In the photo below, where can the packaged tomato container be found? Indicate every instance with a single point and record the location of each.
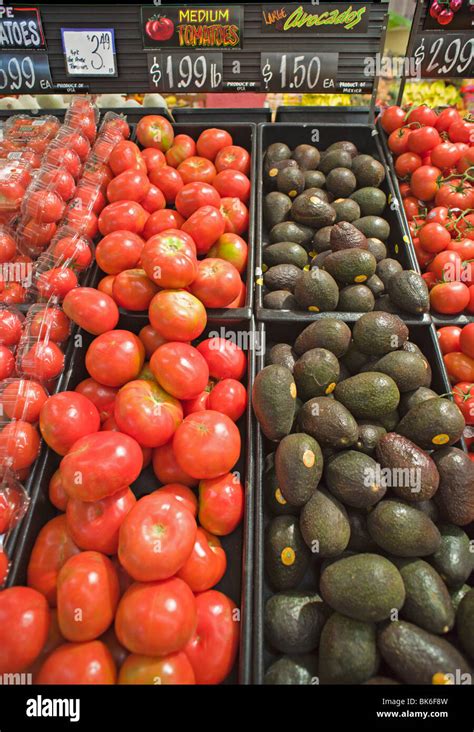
(32, 132)
(15, 177)
(14, 500)
(40, 353)
(11, 326)
(83, 115)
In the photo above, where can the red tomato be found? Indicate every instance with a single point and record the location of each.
(102, 396)
(131, 185)
(205, 226)
(57, 494)
(213, 648)
(7, 247)
(430, 279)
(24, 624)
(74, 252)
(115, 357)
(182, 494)
(35, 235)
(19, 445)
(79, 143)
(449, 338)
(398, 140)
(156, 618)
(153, 158)
(463, 393)
(133, 290)
(407, 163)
(146, 412)
(161, 221)
(126, 156)
(461, 131)
(445, 155)
(118, 251)
(466, 340)
(392, 118)
(56, 282)
(82, 221)
(466, 159)
(4, 565)
(195, 169)
(150, 339)
(236, 215)
(10, 327)
(217, 283)
(195, 195)
(78, 663)
(207, 444)
(168, 180)
(464, 247)
(221, 504)
(44, 206)
(167, 469)
(229, 397)
(52, 548)
(95, 526)
(153, 130)
(206, 564)
(183, 147)
(226, 360)
(423, 139)
(153, 201)
(23, 399)
(422, 115)
(455, 194)
(434, 237)
(123, 215)
(92, 310)
(234, 157)
(438, 215)
(60, 180)
(446, 266)
(177, 315)
(65, 418)
(412, 207)
(449, 298)
(173, 668)
(446, 118)
(233, 183)
(169, 259)
(460, 367)
(106, 462)
(233, 249)
(425, 182)
(62, 157)
(7, 363)
(180, 370)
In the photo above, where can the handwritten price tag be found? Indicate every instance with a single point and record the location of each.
(89, 51)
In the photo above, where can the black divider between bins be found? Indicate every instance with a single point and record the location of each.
(222, 115)
(341, 115)
(323, 134)
(275, 332)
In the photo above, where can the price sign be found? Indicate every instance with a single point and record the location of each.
(444, 54)
(21, 28)
(185, 72)
(24, 73)
(299, 72)
(89, 51)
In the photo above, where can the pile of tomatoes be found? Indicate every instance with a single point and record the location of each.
(434, 161)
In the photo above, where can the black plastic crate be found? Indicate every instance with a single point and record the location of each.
(425, 337)
(222, 115)
(237, 582)
(365, 137)
(341, 115)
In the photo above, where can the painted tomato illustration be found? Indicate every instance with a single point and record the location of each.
(160, 28)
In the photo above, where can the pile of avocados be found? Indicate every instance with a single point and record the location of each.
(367, 505)
(327, 236)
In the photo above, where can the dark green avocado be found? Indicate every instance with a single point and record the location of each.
(286, 555)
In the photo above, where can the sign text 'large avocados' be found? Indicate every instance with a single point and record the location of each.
(318, 18)
(192, 26)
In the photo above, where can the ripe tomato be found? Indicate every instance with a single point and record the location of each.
(161, 221)
(464, 247)
(91, 309)
(19, 445)
(105, 462)
(425, 182)
(211, 141)
(398, 140)
(226, 360)
(44, 206)
(131, 185)
(233, 249)
(82, 221)
(466, 340)
(23, 399)
(234, 157)
(183, 147)
(445, 155)
(466, 158)
(206, 564)
(73, 251)
(102, 396)
(118, 251)
(460, 367)
(7, 363)
(455, 194)
(463, 393)
(392, 118)
(126, 156)
(56, 283)
(434, 237)
(62, 157)
(36, 235)
(133, 290)
(422, 115)
(167, 469)
(56, 493)
(4, 565)
(229, 397)
(221, 504)
(123, 215)
(95, 526)
(169, 259)
(412, 207)
(236, 215)
(195, 195)
(177, 315)
(10, 327)
(195, 169)
(153, 201)
(147, 413)
(446, 266)
(233, 183)
(52, 548)
(407, 163)
(446, 118)
(449, 298)
(115, 357)
(173, 668)
(79, 143)
(449, 338)
(205, 226)
(180, 370)
(438, 215)
(423, 139)
(153, 130)
(156, 618)
(59, 180)
(461, 131)
(24, 624)
(168, 180)
(213, 648)
(182, 494)
(65, 418)
(150, 339)
(207, 444)
(78, 663)
(7, 247)
(217, 283)
(153, 158)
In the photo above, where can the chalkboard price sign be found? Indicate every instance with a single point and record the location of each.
(185, 72)
(444, 55)
(304, 71)
(24, 73)
(21, 28)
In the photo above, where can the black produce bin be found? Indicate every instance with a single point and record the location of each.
(220, 115)
(340, 115)
(322, 134)
(425, 337)
(237, 582)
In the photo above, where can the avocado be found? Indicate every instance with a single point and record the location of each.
(429, 507)
(329, 422)
(389, 421)
(352, 477)
(458, 594)
(317, 291)
(285, 252)
(307, 156)
(277, 151)
(322, 240)
(273, 400)
(364, 587)
(419, 657)
(379, 333)
(465, 623)
(291, 231)
(282, 277)
(309, 209)
(298, 467)
(377, 248)
(324, 525)
(273, 496)
(368, 395)
(271, 171)
(290, 181)
(286, 555)
(314, 179)
(319, 193)
(376, 286)
(370, 433)
(282, 354)
(318, 260)
(293, 621)
(385, 305)
(427, 602)
(412, 398)
(354, 359)
(416, 473)
(276, 208)
(356, 299)
(433, 424)
(455, 497)
(373, 227)
(347, 651)
(360, 541)
(368, 171)
(335, 158)
(408, 370)
(387, 268)
(346, 209)
(280, 300)
(341, 182)
(402, 530)
(350, 265)
(454, 559)
(293, 671)
(409, 291)
(346, 236)
(316, 373)
(328, 333)
(372, 201)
